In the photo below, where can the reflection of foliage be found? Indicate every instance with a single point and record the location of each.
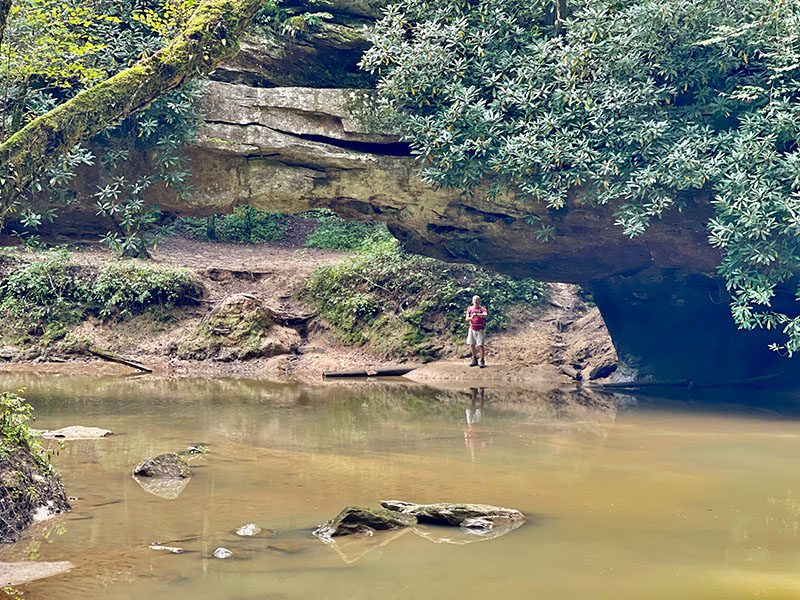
(55, 48)
(647, 105)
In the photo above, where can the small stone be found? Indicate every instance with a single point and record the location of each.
(248, 530)
(222, 553)
(171, 549)
(568, 371)
(287, 547)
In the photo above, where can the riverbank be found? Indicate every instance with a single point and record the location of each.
(555, 342)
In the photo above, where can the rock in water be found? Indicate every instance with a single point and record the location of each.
(75, 432)
(482, 516)
(168, 465)
(222, 553)
(18, 573)
(248, 530)
(170, 549)
(356, 519)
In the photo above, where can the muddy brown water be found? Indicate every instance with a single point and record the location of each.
(627, 497)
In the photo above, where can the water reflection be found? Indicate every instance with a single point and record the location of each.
(474, 415)
(629, 494)
(163, 487)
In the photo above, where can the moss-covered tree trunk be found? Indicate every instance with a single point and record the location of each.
(209, 37)
(5, 6)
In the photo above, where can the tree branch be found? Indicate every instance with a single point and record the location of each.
(5, 7)
(209, 37)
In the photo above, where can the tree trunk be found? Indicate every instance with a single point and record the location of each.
(209, 37)
(5, 7)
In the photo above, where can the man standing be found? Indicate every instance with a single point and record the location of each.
(476, 315)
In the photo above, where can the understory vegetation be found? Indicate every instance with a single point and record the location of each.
(401, 304)
(313, 229)
(40, 301)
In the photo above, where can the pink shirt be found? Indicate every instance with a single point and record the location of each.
(477, 321)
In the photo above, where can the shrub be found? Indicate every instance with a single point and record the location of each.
(335, 233)
(44, 291)
(123, 288)
(245, 225)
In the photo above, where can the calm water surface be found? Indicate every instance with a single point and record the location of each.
(627, 498)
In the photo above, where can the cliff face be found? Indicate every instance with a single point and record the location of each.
(284, 131)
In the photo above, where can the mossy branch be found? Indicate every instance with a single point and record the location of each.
(209, 37)
(5, 7)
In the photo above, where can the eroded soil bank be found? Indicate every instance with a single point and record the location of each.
(551, 344)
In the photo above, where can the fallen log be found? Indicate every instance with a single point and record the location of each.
(111, 357)
(388, 372)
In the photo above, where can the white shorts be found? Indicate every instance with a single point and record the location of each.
(476, 337)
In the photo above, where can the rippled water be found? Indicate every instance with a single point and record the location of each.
(627, 498)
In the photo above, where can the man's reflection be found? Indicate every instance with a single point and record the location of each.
(474, 415)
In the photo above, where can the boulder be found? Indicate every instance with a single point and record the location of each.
(356, 519)
(222, 553)
(478, 516)
(169, 465)
(75, 432)
(238, 328)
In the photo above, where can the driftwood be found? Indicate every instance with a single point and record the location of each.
(111, 357)
(390, 372)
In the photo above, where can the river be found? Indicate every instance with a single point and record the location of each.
(626, 497)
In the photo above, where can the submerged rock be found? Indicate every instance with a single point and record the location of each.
(75, 432)
(222, 553)
(248, 530)
(168, 465)
(356, 519)
(17, 573)
(479, 516)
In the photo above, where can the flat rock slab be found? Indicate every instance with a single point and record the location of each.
(164, 465)
(357, 519)
(17, 573)
(479, 516)
(75, 432)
